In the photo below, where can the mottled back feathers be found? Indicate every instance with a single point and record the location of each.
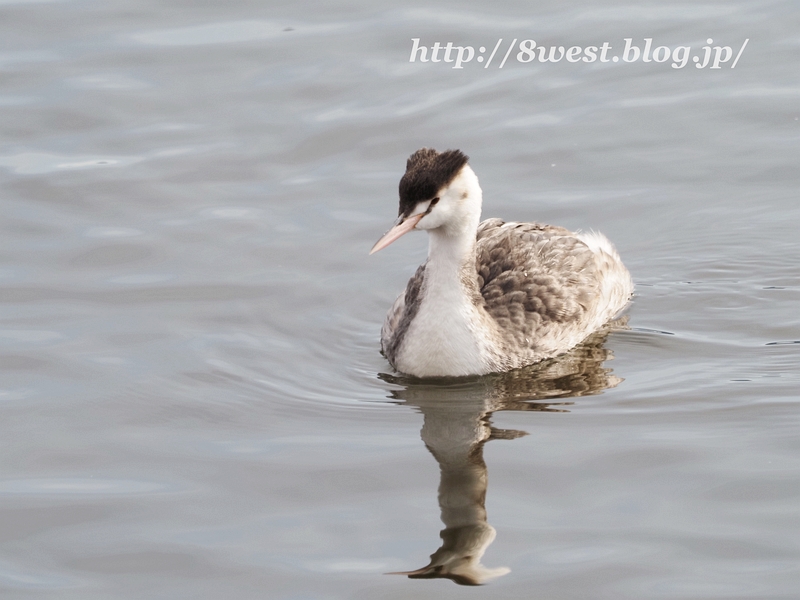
(534, 279)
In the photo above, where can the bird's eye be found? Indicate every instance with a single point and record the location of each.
(432, 204)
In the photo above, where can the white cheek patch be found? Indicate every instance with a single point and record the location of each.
(420, 208)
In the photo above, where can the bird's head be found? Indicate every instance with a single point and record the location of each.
(439, 191)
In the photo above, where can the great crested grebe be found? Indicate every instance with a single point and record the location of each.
(492, 296)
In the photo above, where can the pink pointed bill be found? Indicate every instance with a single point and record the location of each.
(397, 231)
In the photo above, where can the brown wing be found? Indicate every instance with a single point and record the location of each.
(537, 281)
(400, 315)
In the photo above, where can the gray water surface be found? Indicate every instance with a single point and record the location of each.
(192, 399)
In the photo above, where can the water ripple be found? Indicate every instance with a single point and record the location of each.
(78, 486)
(226, 33)
(34, 163)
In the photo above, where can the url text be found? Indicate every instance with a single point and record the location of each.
(528, 51)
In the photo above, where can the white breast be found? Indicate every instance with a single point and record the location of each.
(444, 337)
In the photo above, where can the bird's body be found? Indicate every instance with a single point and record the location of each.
(492, 296)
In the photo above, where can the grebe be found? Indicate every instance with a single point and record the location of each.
(492, 296)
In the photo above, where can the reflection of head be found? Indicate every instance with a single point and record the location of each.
(457, 424)
(459, 558)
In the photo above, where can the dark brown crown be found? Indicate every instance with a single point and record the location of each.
(427, 172)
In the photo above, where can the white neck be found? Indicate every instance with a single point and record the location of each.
(449, 253)
(454, 221)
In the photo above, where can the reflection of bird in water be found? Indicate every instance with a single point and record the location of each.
(492, 296)
(457, 425)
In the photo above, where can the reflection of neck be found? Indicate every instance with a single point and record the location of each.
(456, 441)
(462, 491)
